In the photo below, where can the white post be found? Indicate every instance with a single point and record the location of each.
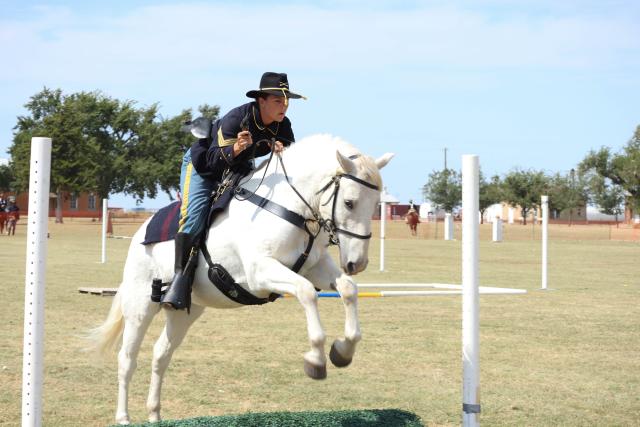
(497, 229)
(511, 215)
(38, 214)
(383, 215)
(470, 292)
(545, 230)
(105, 219)
(448, 226)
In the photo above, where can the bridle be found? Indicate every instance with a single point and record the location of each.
(328, 225)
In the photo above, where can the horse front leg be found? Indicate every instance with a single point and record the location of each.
(272, 275)
(175, 329)
(343, 349)
(324, 275)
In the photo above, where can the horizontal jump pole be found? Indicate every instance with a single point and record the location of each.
(483, 289)
(387, 294)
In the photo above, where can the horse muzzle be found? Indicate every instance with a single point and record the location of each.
(353, 268)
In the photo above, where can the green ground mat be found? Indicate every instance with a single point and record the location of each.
(359, 418)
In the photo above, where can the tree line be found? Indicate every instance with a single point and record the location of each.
(105, 145)
(606, 179)
(101, 144)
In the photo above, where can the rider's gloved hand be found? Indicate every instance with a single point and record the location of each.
(276, 146)
(243, 142)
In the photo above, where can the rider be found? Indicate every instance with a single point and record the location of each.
(262, 121)
(3, 213)
(13, 215)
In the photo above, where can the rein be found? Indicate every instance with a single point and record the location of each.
(329, 225)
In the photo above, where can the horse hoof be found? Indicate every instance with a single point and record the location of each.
(337, 359)
(123, 420)
(315, 372)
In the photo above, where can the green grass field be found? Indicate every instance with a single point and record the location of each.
(568, 356)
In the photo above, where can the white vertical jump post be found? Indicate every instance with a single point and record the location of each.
(545, 231)
(470, 293)
(497, 229)
(448, 226)
(105, 220)
(383, 215)
(34, 287)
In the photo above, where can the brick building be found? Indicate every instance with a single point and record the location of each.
(74, 205)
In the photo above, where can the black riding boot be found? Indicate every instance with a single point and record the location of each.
(178, 295)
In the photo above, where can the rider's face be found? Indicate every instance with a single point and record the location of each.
(272, 109)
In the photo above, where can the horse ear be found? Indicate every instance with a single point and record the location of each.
(347, 164)
(384, 159)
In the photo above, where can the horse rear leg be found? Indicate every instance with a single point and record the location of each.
(135, 327)
(175, 329)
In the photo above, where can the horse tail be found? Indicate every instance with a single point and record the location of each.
(105, 336)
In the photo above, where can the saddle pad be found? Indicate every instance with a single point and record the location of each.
(163, 225)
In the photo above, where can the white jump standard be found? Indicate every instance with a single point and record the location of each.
(470, 291)
(38, 214)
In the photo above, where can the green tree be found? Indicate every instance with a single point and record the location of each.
(97, 143)
(49, 117)
(444, 189)
(607, 196)
(490, 193)
(622, 169)
(7, 178)
(567, 192)
(165, 151)
(523, 189)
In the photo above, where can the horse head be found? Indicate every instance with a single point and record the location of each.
(356, 196)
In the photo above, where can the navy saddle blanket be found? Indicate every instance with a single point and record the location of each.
(164, 223)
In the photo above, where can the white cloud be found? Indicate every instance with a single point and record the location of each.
(171, 39)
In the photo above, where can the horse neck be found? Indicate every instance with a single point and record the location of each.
(307, 179)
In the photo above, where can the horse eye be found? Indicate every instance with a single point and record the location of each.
(348, 204)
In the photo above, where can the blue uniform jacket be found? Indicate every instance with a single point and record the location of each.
(211, 158)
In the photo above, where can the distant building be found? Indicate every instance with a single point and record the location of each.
(74, 205)
(581, 215)
(391, 204)
(430, 212)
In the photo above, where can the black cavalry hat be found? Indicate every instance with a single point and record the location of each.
(274, 84)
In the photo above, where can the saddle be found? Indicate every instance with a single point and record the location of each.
(164, 226)
(164, 223)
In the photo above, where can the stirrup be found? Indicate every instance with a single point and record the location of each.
(178, 295)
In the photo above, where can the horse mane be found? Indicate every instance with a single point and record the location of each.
(322, 149)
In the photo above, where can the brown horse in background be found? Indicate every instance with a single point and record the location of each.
(413, 219)
(12, 219)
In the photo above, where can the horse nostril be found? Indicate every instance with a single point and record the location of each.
(351, 268)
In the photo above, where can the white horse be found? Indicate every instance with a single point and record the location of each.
(340, 188)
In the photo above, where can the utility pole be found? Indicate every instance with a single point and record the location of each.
(445, 158)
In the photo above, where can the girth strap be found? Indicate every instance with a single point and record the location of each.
(284, 213)
(221, 278)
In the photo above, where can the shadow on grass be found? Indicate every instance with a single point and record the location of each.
(359, 418)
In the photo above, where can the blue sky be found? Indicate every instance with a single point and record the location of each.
(528, 84)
